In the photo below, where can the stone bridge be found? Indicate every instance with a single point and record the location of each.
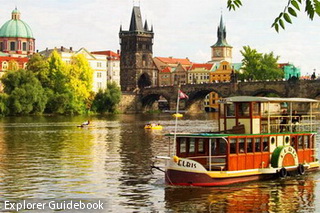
(197, 92)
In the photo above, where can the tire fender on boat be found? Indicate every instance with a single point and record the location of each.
(284, 156)
(283, 172)
(301, 169)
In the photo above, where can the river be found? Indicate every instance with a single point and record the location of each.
(48, 157)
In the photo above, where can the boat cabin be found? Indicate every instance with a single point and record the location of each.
(251, 129)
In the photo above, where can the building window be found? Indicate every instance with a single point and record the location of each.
(224, 67)
(99, 74)
(99, 84)
(99, 64)
(24, 46)
(1, 46)
(12, 46)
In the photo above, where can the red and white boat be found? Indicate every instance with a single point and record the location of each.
(253, 143)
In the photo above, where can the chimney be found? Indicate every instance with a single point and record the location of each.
(118, 52)
(61, 48)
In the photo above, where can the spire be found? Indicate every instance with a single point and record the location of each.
(146, 28)
(136, 20)
(222, 34)
(120, 28)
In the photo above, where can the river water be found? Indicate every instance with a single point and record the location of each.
(51, 158)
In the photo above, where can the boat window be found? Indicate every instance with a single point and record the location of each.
(265, 144)
(201, 145)
(230, 110)
(233, 146)
(249, 145)
(256, 109)
(183, 145)
(306, 142)
(244, 109)
(192, 143)
(300, 142)
(241, 145)
(221, 107)
(312, 141)
(257, 144)
(293, 142)
(222, 146)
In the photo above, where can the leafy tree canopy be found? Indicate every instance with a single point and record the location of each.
(25, 93)
(311, 7)
(107, 100)
(258, 66)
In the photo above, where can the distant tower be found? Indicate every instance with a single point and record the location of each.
(221, 50)
(137, 69)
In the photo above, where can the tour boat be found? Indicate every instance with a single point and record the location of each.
(252, 143)
(153, 126)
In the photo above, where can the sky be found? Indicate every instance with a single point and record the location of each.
(183, 28)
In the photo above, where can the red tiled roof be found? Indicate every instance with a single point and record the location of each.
(110, 54)
(167, 69)
(205, 66)
(170, 60)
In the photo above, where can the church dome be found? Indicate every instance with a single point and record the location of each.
(15, 27)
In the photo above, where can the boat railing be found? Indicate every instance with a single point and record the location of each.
(217, 162)
(305, 123)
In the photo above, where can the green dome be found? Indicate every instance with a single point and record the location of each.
(16, 27)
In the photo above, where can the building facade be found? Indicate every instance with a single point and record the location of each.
(137, 69)
(113, 65)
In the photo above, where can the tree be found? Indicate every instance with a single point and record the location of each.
(107, 100)
(40, 67)
(70, 87)
(258, 66)
(311, 7)
(25, 93)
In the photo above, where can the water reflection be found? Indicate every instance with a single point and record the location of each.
(291, 195)
(49, 157)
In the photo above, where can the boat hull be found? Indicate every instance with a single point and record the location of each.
(183, 178)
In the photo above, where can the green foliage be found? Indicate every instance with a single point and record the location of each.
(40, 67)
(258, 66)
(311, 8)
(4, 110)
(49, 85)
(107, 100)
(25, 93)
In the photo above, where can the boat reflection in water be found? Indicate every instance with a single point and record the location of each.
(290, 195)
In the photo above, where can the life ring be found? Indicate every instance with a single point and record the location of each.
(283, 172)
(301, 169)
(284, 156)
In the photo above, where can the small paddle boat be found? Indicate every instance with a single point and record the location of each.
(153, 126)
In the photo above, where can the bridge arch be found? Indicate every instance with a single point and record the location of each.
(144, 81)
(266, 92)
(148, 101)
(197, 98)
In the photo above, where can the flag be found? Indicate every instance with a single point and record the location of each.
(182, 95)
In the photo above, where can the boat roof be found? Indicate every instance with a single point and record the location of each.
(265, 99)
(221, 135)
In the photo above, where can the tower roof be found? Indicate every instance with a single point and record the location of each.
(136, 20)
(222, 35)
(16, 27)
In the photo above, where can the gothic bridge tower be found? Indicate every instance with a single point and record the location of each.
(137, 69)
